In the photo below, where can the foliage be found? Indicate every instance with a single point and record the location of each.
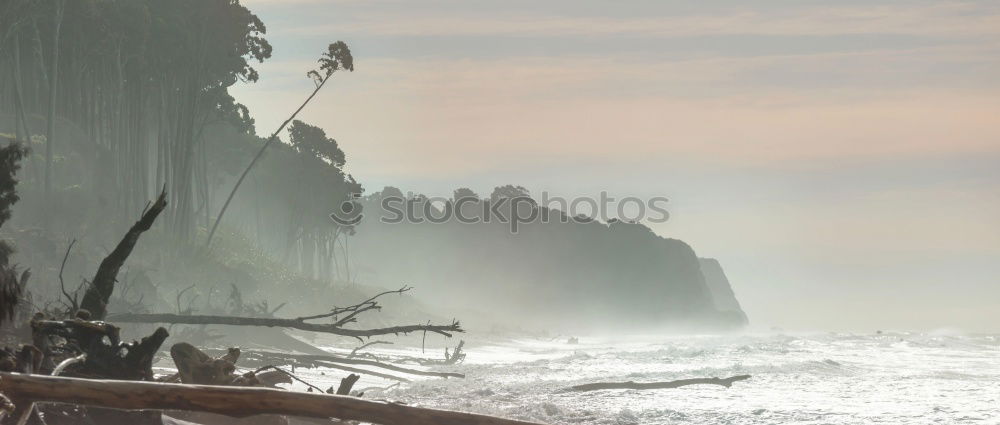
(337, 57)
(144, 102)
(11, 284)
(139, 80)
(312, 141)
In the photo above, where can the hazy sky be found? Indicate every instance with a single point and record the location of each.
(841, 159)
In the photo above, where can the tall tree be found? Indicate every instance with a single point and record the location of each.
(53, 76)
(337, 57)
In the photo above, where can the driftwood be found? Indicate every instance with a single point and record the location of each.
(341, 316)
(98, 354)
(347, 383)
(456, 357)
(95, 300)
(725, 382)
(449, 358)
(230, 401)
(313, 360)
(367, 372)
(106, 355)
(256, 359)
(297, 323)
(196, 367)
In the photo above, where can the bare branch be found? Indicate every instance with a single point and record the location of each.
(356, 309)
(95, 300)
(330, 328)
(72, 300)
(313, 360)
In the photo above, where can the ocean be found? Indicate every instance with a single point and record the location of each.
(823, 378)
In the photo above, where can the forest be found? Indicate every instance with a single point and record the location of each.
(137, 192)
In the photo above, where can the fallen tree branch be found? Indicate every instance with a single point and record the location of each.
(230, 401)
(364, 372)
(268, 357)
(341, 316)
(330, 328)
(256, 359)
(630, 385)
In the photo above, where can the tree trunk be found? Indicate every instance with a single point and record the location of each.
(95, 300)
(260, 153)
(53, 79)
(230, 401)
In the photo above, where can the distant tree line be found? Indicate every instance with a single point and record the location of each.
(579, 270)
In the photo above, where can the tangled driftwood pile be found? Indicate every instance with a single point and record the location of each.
(95, 368)
(78, 369)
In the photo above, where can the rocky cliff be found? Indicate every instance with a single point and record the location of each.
(556, 273)
(722, 291)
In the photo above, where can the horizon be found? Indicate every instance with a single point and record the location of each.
(834, 158)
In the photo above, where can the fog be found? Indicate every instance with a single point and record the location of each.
(834, 158)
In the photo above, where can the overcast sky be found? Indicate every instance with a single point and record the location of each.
(841, 159)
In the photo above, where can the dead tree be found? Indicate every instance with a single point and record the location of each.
(95, 300)
(340, 317)
(296, 323)
(230, 401)
(630, 385)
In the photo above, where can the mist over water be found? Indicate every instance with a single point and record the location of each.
(822, 378)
